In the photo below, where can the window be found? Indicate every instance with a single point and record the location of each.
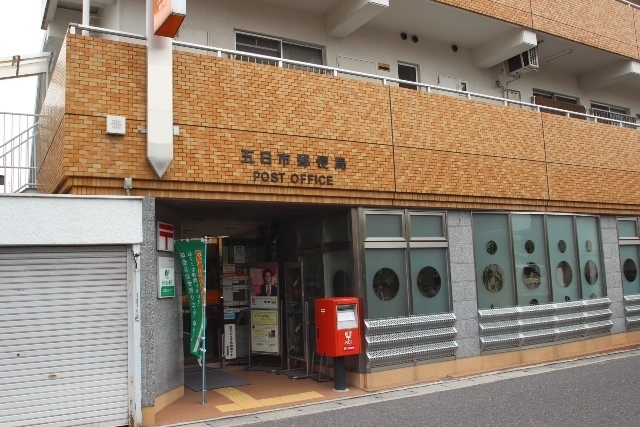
(531, 259)
(629, 243)
(406, 263)
(409, 73)
(555, 96)
(609, 111)
(278, 48)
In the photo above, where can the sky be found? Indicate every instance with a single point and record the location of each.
(20, 34)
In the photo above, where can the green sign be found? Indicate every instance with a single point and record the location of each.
(190, 256)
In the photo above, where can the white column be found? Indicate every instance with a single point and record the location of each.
(86, 15)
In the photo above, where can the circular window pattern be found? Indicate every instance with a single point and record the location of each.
(534, 302)
(531, 276)
(493, 278)
(342, 284)
(529, 246)
(630, 270)
(564, 274)
(429, 282)
(591, 272)
(562, 246)
(492, 247)
(567, 299)
(386, 284)
(589, 246)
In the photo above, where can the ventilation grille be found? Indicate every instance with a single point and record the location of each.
(632, 311)
(522, 326)
(401, 340)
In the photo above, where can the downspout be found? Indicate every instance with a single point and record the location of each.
(86, 15)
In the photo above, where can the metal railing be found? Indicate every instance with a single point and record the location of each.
(323, 69)
(18, 137)
(627, 121)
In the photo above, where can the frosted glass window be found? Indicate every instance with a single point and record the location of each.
(336, 228)
(310, 234)
(384, 226)
(589, 255)
(564, 273)
(627, 228)
(427, 226)
(339, 273)
(530, 256)
(630, 262)
(430, 281)
(386, 283)
(494, 263)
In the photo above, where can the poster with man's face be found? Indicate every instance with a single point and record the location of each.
(263, 282)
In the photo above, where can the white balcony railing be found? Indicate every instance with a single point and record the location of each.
(322, 69)
(614, 118)
(18, 133)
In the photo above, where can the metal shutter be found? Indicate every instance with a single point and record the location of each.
(63, 336)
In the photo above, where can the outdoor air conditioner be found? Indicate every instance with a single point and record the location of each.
(522, 63)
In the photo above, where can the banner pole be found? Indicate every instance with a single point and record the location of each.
(204, 329)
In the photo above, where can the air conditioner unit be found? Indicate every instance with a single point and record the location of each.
(522, 63)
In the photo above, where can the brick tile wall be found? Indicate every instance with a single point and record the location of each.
(605, 24)
(51, 129)
(402, 147)
(514, 11)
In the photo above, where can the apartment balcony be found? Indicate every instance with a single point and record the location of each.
(432, 147)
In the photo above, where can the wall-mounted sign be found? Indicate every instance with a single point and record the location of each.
(323, 163)
(166, 278)
(230, 341)
(238, 255)
(168, 16)
(165, 236)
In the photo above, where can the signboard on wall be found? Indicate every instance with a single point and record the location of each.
(168, 16)
(165, 236)
(166, 278)
(230, 341)
(264, 332)
(264, 292)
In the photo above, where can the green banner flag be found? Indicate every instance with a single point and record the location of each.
(191, 254)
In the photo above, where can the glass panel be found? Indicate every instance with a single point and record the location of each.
(339, 274)
(386, 283)
(427, 226)
(494, 264)
(430, 281)
(630, 263)
(384, 225)
(627, 228)
(590, 255)
(296, 52)
(310, 234)
(336, 228)
(564, 271)
(530, 255)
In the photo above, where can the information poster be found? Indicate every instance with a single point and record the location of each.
(264, 294)
(264, 331)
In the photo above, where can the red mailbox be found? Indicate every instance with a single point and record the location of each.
(337, 327)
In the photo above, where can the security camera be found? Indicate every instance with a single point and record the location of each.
(454, 47)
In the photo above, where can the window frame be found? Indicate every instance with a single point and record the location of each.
(282, 42)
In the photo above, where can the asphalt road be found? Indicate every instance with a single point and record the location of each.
(599, 391)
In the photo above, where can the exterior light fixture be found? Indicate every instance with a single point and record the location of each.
(559, 55)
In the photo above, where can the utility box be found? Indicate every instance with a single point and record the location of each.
(338, 327)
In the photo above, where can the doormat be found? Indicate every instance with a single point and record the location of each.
(215, 379)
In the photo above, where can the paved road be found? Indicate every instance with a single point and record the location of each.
(598, 391)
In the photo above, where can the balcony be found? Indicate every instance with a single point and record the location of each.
(431, 147)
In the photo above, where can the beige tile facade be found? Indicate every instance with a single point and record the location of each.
(606, 24)
(400, 147)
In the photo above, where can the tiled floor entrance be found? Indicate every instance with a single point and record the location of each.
(266, 390)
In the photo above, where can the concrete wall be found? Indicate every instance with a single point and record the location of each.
(613, 274)
(29, 219)
(162, 351)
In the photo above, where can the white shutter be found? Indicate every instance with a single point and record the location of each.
(63, 336)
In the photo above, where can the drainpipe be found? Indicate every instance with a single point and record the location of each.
(86, 15)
